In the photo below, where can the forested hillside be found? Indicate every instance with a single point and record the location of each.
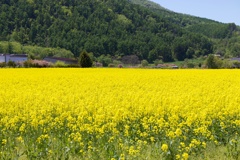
(225, 37)
(103, 27)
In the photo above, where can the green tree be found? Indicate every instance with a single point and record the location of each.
(167, 55)
(105, 60)
(10, 48)
(85, 60)
(180, 49)
(190, 52)
(213, 62)
(144, 63)
(210, 62)
(1, 49)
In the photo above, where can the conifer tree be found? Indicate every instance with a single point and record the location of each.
(85, 60)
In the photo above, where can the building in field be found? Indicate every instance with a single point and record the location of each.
(235, 59)
(17, 58)
(2, 58)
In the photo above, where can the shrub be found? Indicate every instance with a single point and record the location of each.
(27, 64)
(2, 65)
(116, 62)
(73, 66)
(156, 62)
(120, 66)
(144, 63)
(190, 65)
(37, 64)
(111, 65)
(236, 64)
(60, 64)
(11, 64)
(104, 60)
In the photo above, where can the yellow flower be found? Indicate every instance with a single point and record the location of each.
(122, 157)
(22, 128)
(178, 156)
(185, 156)
(164, 147)
(171, 134)
(152, 139)
(4, 141)
(178, 132)
(50, 151)
(130, 107)
(20, 139)
(132, 151)
(182, 144)
(204, 144)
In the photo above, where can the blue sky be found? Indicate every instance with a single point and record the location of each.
(226, 11)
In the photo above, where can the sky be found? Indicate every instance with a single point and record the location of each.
(226, 11)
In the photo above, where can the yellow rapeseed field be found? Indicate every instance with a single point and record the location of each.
(116, 113)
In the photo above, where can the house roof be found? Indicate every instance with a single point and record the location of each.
(18, 55)
(235, 59)
(15, 55)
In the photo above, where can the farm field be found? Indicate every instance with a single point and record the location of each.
(118, 113)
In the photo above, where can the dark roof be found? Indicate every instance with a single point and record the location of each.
(61, 59)
(14, 55)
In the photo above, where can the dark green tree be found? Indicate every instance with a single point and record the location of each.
(1, 49)
(85, 60)
(210, 62)
(190, 52)
(180, 49)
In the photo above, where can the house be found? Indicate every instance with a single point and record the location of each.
(2, 58)
(13, 57)
(235, 62)
(65, 60)
(235, 59)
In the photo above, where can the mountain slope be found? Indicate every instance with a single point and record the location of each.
(114, 27)
(225, 37)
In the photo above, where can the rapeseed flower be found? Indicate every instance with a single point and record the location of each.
(164, 147)
(125, 111)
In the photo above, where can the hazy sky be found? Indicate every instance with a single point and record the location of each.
(226, 11)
